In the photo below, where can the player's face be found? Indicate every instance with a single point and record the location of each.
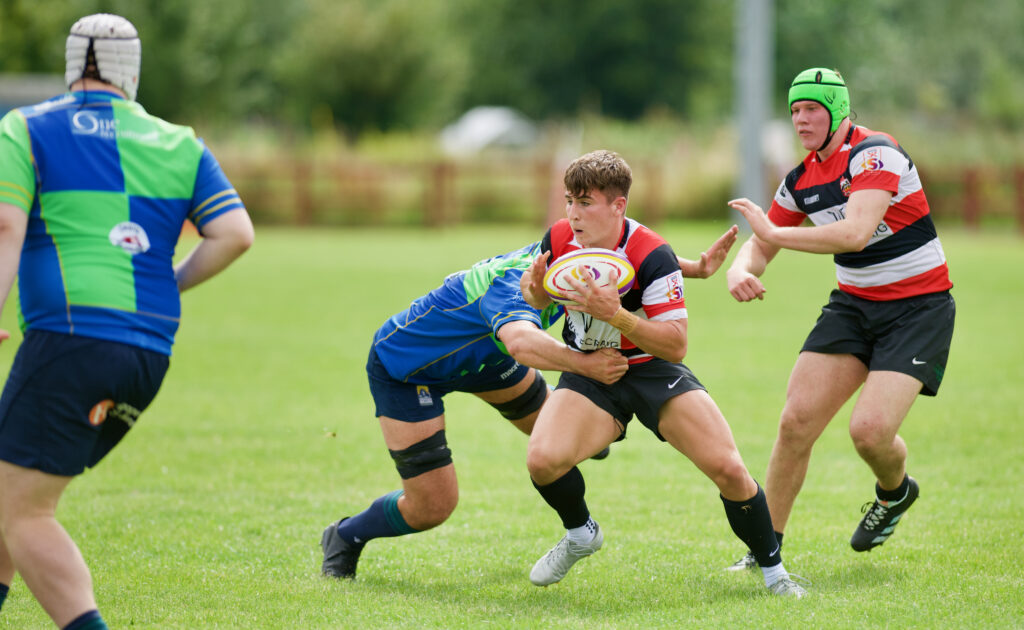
(595, 219)
(811, 121)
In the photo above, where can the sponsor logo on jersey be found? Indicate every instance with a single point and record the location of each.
(423, 393)
(87, 123)
(871, 160)
(675, 287)
(130, 237)
(811, 199)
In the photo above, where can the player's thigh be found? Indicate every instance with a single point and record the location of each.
(401, 434)
(819, 385)
(571, 428)
(28, 492)
(882, 405)
(694, 425)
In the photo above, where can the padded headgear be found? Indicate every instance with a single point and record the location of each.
(115, 46)
(826, 87)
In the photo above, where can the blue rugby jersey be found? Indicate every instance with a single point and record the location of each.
(450, 332)
(106, 187)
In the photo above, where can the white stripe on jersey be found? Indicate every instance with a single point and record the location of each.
(922, 259)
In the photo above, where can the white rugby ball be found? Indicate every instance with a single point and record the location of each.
(598, 261)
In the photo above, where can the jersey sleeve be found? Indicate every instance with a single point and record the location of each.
(876, 164)
(213, 195)
(662, 283)
(503, 303)
(17, 174)
(784, 211)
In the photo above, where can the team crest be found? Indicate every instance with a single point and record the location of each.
(844, 185)
(423, 393)
(130, 237)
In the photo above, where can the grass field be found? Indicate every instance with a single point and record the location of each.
(209, 514)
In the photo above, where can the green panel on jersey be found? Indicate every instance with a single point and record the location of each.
(151, 150)
(479, 277)
(96, 272)
(17, 179)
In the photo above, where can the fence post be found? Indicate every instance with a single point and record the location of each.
(303, 200)
(1019, 180)
(972, 200)
(438, 193)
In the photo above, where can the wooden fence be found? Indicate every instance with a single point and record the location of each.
(439, 193)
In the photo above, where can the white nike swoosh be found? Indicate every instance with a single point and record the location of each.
(675, 382)
(772, 554)
(916, 362)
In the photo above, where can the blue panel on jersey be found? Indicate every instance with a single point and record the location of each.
(87, 159)
(155, 288)
(40, 267)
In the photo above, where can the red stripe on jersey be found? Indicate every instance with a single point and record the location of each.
(910, 209)
(876, 180)
(562, 237)
(931, 281)
(783, 217)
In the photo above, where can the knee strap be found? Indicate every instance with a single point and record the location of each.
(423, 456)
(526, 403)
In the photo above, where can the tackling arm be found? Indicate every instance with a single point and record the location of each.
(13, 222)
(535, 348)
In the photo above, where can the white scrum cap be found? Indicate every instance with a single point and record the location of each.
(115, 45)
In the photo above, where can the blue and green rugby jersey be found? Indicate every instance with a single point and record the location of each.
(450, 332)
(107, 188)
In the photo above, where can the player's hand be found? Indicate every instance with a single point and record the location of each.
(531, 283)
(744, 286)
(712, 259)
(601, 302)
(606, 365)
(756, 217)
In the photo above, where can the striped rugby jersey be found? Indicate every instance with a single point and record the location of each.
(106, 187)
(904, 257)
(656, 294)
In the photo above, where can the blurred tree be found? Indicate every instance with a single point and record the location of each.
(602, 56)
(375, 65)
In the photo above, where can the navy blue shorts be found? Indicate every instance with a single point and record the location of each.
(643, 391)
(410, 402)
(911, 335)
(69, 400)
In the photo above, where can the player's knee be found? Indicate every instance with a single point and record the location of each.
(429, 510)
(796, 428)
(730, 475)
(526, 403)
(869, 437)
(423, 456)
(547, 464)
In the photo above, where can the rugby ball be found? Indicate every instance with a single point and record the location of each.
(597, 260)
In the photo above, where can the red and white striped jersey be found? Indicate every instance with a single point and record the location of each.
(904, 257)
(656, 294)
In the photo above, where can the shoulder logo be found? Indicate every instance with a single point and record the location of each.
(871, 160)
(130, 237)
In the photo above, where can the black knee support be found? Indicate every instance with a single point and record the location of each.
(422, 456)
(525, 403)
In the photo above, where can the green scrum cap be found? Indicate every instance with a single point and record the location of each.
(823, 86)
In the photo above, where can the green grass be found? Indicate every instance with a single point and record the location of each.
(209, 514)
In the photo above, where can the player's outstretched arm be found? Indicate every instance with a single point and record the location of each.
(535, 348)
(531, 283)
(225, 238)
(13, 222)
(712, 259)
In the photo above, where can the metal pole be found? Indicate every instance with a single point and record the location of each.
(754, 73)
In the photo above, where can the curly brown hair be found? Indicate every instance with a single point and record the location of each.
(599, 170)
